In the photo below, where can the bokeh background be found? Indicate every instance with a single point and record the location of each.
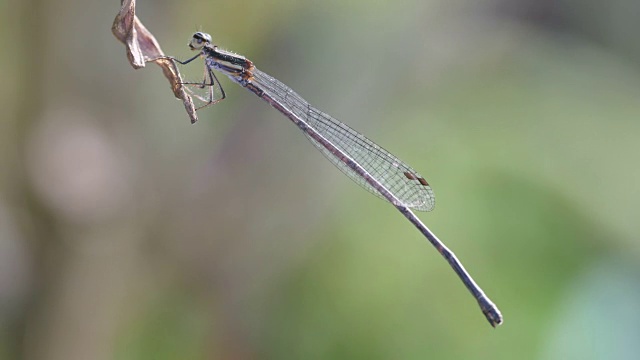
(127, 233)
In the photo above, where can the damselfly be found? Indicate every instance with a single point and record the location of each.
(368, 164)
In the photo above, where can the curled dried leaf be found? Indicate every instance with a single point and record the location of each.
(142, 47)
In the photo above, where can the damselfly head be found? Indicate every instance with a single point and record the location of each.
(199, 40)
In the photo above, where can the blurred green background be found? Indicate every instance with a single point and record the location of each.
(127, 233)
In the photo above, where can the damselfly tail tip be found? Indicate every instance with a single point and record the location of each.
(490, 311)
(493, 316)
(495, 319)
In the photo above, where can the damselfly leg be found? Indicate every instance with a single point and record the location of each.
(210, 83)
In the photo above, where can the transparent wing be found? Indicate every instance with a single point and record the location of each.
(404, 182)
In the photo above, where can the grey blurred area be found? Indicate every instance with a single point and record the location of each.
(128, 233)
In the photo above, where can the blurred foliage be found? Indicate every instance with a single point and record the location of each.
(127, 233)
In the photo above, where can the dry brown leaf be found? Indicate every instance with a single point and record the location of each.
(142, 47)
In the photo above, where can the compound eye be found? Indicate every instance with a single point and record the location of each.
(199, 40)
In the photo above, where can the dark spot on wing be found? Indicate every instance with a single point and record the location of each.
(409, 176)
